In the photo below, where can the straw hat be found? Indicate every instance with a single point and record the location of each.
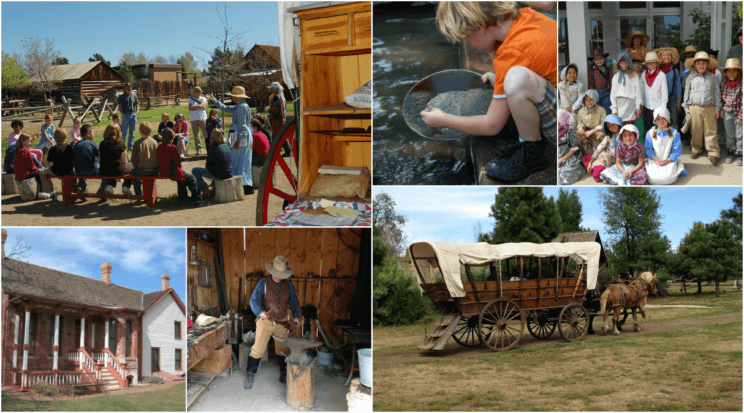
(651, 57)
(712, 63)
(732, 63)
(672, 50)
(644, 39)
(689, 51)
(597, 53)
(238, 92)
(279, 268)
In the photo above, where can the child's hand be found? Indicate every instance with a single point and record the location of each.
(434, 118)
(627, 175)
(560, 161)
(716, 114)
(637, 112)
(488, 77)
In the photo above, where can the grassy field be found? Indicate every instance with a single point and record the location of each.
(151, 115)
(688, 369)
(172, 399)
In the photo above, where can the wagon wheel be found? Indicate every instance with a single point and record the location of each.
(501, 324)
(278, 178)
(466, 332)
(542, 328)
(573, 322)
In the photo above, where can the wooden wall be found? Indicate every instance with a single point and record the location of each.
(204, 295)
(324, 268)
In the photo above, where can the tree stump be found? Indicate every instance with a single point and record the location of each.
(359, 397)
(256, 175)
(9, 184)
(28, 189)
(300, 386)
(229, 190)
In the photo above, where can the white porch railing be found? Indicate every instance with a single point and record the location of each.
(30, 379)
(110, 360)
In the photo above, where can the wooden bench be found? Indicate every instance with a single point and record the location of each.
(69, 185)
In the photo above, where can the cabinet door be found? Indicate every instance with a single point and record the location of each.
(327, 33)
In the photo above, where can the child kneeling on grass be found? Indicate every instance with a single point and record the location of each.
(524, 46)
(144, 160)
(218, 162)
(24, 167)
(169, 164)
(629, 168)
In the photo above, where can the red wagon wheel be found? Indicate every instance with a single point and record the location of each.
(466, 332)
(278, 185)
(573, 322)
(501, 324)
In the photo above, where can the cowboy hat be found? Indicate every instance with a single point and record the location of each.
(597, 53)
(279, 268)
(712, 53)
(644, 39)
(238, 92)
(732, 63)
(672, 50)
(651, 57)
(712, 63)
(689, 51)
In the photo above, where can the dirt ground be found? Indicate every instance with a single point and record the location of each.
(701, 172)
(101, 212)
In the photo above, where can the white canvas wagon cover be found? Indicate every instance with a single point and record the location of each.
(450, 255)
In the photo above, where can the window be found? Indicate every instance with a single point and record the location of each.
(594, 5)
(563, 42)
(633, 5)
(155, 359)
(628, 25)
(128, 339)
(666, 30)
(177, 326)
(597, 34)
(178, 359)
(31, 334)
(667, 4)
(112, 336)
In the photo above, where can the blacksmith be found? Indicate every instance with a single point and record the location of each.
(270, 300)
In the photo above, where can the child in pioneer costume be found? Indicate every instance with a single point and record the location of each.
(655, 91)
(626, 95)
(636, 45)
(523, 44)
(702, 101)
(570, 168)
(663, 151)
(569, 89)
(604, 156)
(629, 167)
(270, 300)
(600, 78)
(732, 113)
(669, 59)
(589, 122)
(683, 119)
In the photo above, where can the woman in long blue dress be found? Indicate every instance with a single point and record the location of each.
(241, 146)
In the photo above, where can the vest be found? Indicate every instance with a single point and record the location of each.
(280, 298)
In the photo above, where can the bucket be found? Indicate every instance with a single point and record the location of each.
(365, 366)
(325, 356)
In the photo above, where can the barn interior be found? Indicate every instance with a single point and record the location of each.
(331, 275)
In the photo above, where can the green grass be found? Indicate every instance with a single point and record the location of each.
(172, 399)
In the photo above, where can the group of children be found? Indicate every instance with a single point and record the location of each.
(655, 107)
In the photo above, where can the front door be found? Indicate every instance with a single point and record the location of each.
(155, 359)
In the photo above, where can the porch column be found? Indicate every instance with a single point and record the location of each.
(82, 340)
(105, 343)
(15, 345)
(56, 343)
(92, 336)
(25, 340)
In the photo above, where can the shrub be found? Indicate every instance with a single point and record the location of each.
(46, 390)
(397, 298)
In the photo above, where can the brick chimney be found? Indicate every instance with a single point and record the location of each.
(165, 279)
(5, 237)
(106, 273)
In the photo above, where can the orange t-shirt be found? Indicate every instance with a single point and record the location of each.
(531, 42)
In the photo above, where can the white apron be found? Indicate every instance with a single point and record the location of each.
(667, 174)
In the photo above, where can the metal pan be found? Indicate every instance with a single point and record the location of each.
(480, 95)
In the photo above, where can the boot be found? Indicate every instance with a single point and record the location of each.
(248, 189)
(252, 368)
(282, 370)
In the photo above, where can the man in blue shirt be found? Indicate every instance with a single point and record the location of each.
(129, 105)
(270, 301)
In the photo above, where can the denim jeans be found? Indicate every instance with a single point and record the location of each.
(190, 183)
(128, 124)
(199, 175)
(137, 182)
(83, 183)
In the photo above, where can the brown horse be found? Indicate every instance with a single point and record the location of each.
(632, 296)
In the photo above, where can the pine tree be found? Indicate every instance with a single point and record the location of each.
(523, 215)
(733, 215)
(709, 252)
(569, 210)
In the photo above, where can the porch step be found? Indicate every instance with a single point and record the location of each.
(109, 387)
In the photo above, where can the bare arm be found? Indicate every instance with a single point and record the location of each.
(483, 125)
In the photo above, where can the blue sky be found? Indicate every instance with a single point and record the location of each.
(139, 256)
(80, 29)
(450, 213)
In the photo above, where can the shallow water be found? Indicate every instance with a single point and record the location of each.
(406, 48)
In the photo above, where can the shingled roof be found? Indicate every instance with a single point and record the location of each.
(582, 236)
(273, 52)
(28, 279)
(72, 71)
(150, 298)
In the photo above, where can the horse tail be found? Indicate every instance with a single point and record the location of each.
(603, 301)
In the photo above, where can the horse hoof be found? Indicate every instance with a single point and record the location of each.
(636, 327)
(617, 333)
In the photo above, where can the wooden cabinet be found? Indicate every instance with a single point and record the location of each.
(336, 60)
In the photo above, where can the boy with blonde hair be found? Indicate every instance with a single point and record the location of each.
(144, 159)
(523, 45)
